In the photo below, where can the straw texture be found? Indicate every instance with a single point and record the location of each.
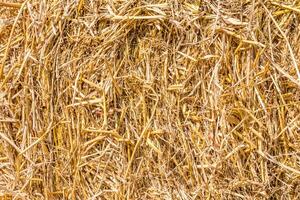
(149, 99)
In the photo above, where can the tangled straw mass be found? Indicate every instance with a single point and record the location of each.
(149, 99)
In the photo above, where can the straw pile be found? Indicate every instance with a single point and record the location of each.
(153, 99)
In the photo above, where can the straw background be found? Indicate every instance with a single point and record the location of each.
(149, 99)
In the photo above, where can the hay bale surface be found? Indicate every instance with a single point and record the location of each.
(150, 99)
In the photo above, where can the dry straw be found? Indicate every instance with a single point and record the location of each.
(153, 99)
